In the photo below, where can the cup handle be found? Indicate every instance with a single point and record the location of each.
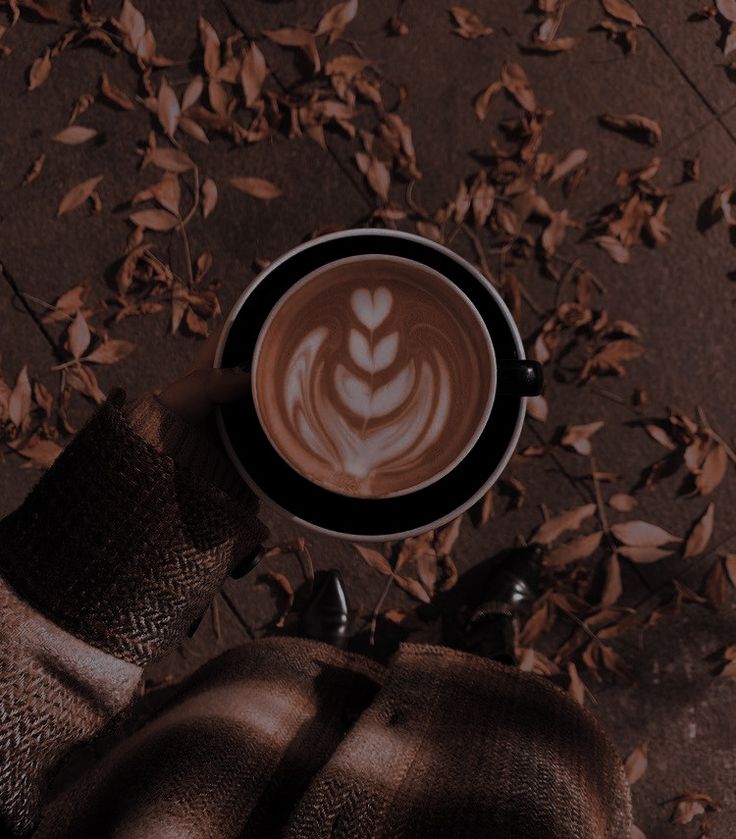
(520, 377)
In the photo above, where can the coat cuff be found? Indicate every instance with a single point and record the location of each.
(122, 545)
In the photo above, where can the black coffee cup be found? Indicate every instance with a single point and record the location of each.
(374, 519)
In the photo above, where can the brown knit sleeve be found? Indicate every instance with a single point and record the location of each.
(122, 544)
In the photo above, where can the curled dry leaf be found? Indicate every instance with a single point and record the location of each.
(79, 335)
(537, 408)
(713, 470)
(569, 162)
(644, 554)
(641, 533)
(576, 688)
(469, 23)
(515, 80)
(376, 172)
(569, 520)
(574, 550)
(279, 584)
(19, 403)
(622, 502)
(78, 195)
(622, 10)
(111, 352)
(729, 562)
(257, 187)
(612, 587)
(635, 765)
(716, 584)
(446, 536)
(691, 804)
(634, 123)
(39, 71)
(483, 99)
(74, 135)
(160, 220)
(114, 94)
(34, 170)
(656, 432)
(336, 19)
(577, 437)
(209, 197)
(253, 73)
(614, 248)
(301, 38)
(375, 560)
(82, 379)
(701, 532)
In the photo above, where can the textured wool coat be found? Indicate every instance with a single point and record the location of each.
(118, 548)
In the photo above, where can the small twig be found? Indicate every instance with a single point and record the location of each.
(588, 631)
(614, 397)
(237, 615)
(47, 305)
(216, 626)
(19, 294)
(571, 270)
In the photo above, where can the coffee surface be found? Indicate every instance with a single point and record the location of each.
(372, 377)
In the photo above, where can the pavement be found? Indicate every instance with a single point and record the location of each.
(681, 297)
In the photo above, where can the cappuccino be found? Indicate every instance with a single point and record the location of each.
(373, 376)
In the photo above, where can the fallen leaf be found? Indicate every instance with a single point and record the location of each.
(701, 532)
(469, 23)
(622, 10)
(336, 19)
(39, 71)
(569, 162)
(209, 197)
(196, 325)
(727, 8)
(375, 560)
(192, 92)
(81, 378)
(257, 187)
(713, 470)
(537, 623)
(635, 765)
(160, 220)
(111, 351)
(279, 584)
(574, 550)
(74, 135)
(171, 160)
(167, 192)
(608, 360)
(78, 195)
(79, 335)
(211, 46)
(576, 688)
(643, 554)
(516, 82)
(716, 585)
(34, 170)
(376, 172)
(41, 453)
(114, 94)
(168, 108)
(634, 123)
(656, 432)
(483, 99)
(446, 537)
(577, 437)
(612, 588)
(614, 248)
(636, 833)
(412, 587)
(19, 403)
(537, 408)
(569, 520)
(253, 73)
(622, 502)
(642, 534)
(293, 37)
(729, 562)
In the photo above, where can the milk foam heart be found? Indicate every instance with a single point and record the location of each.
(373, 376)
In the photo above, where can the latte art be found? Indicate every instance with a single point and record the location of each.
(368, 381)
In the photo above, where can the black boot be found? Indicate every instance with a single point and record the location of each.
(327, 615)
(489, 628)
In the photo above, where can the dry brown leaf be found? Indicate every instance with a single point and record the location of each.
(160, 220)
(537, 408)
(622, 502)
(636, 833)
(375, 560)
(279, 583)
(553, 44)
(554, 234)
(253, 73)
(257, 187)
(612, 588)
(40, 453)
(429, 230)
(716, 584)
(168, 109)
(39, 71)
(729, 562)
(577, 437)
(336, 19)
(713, 470)
(293, 37)
(74, 135)
(81, 378)
(446, 537)
(19, 403)
(515, 80)
(171, 160)
(79, 335)
(114, 94)
(701, 532)
(614, 248)
(537, 623)
(656, 432)
(167, 192)
(622, 10)
(209, 197)
(412, 587)
(574, 550)
(196, 324)
(34, 170)
(469, 23)
(569, 162)
(111, 351)
(642, 534)
(645, 554)
(211, 46)
(576, 688)
(78, 195)
(634, 123)
(192, 93)
(482, 201)
(727, 8)
(483, 99)
(569, 520)
(691, 804)
(608, 360)
(635, 765)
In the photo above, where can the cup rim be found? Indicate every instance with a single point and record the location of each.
(488, 341)
(514, 336)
